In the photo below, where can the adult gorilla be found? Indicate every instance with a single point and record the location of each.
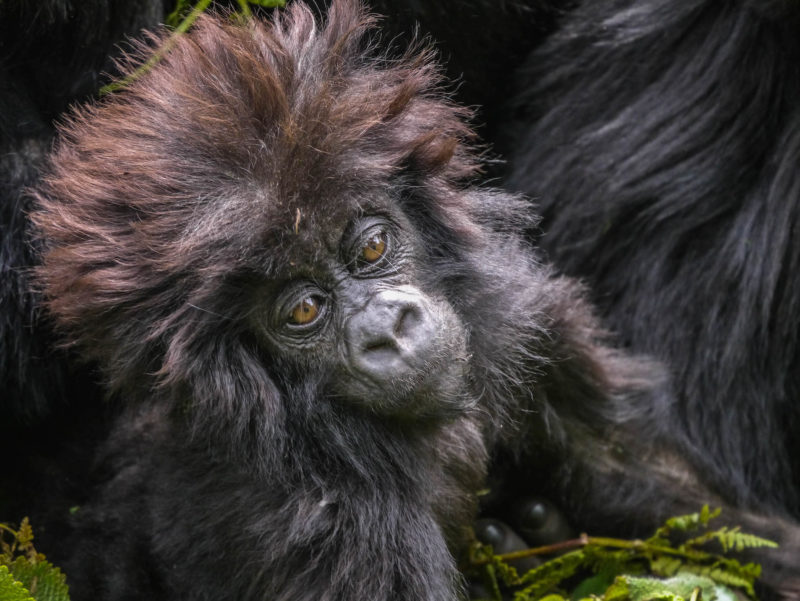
(52, 53)
(661, 142)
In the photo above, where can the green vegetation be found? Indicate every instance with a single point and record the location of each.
(697, 567)
(25, 574)
(180, 20)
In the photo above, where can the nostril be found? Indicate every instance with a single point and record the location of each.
(407, 321)
(379, 345)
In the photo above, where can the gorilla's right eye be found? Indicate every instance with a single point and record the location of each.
(305, 312)
(300, 310)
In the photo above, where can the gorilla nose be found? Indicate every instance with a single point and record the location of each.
(392, 336)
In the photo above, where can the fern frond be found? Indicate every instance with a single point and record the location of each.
(11, 589)
(665, 565)
(684, 523)
(734, 539)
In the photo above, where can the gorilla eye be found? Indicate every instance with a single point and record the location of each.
(370, 249)
(374, 248)
(305, 312)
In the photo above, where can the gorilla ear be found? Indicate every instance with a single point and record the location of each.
(431, 153)
(446, 149)
(411, 117)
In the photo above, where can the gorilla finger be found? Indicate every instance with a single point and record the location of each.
(539, 522)
(504, 540)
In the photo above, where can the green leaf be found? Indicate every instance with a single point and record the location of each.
(685, 523)
(43, 580)
(726, 573)
(647, 570)
(677, 588)
(182, 8)
(11, 589)
(734, 539)
(619, 590)
(544, 578)
(552, 598)
(491, 583)
(593, 586)
(665, 565)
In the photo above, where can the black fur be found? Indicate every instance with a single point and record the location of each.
(481, 42)
(52, 53)
(660, 140)
(174, 215)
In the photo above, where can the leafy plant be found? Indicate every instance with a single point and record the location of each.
(180, 20)
(610, 569)
(25, 574)
(184, 7)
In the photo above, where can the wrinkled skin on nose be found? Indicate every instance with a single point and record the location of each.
(394, 336)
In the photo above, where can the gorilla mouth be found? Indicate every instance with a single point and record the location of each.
(438, 388)
(406, 355)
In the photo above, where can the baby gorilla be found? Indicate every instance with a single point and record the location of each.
(319, 331)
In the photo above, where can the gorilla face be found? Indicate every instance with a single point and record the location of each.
(356, 309)
(269, 233)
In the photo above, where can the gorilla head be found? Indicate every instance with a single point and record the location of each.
(240, 221)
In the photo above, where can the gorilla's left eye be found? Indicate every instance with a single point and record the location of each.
(369, 252)
(374, 248)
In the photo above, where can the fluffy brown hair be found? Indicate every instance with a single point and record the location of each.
(231, 115)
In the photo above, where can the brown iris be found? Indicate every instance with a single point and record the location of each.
(305, 311)
(374, 248)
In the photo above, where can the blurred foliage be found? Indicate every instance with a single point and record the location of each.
(184, 9)
(684, 560)
(25, 574)
(180, 20)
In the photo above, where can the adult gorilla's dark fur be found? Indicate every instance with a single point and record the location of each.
(51, 54)
(661, 140)
(322, 332)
